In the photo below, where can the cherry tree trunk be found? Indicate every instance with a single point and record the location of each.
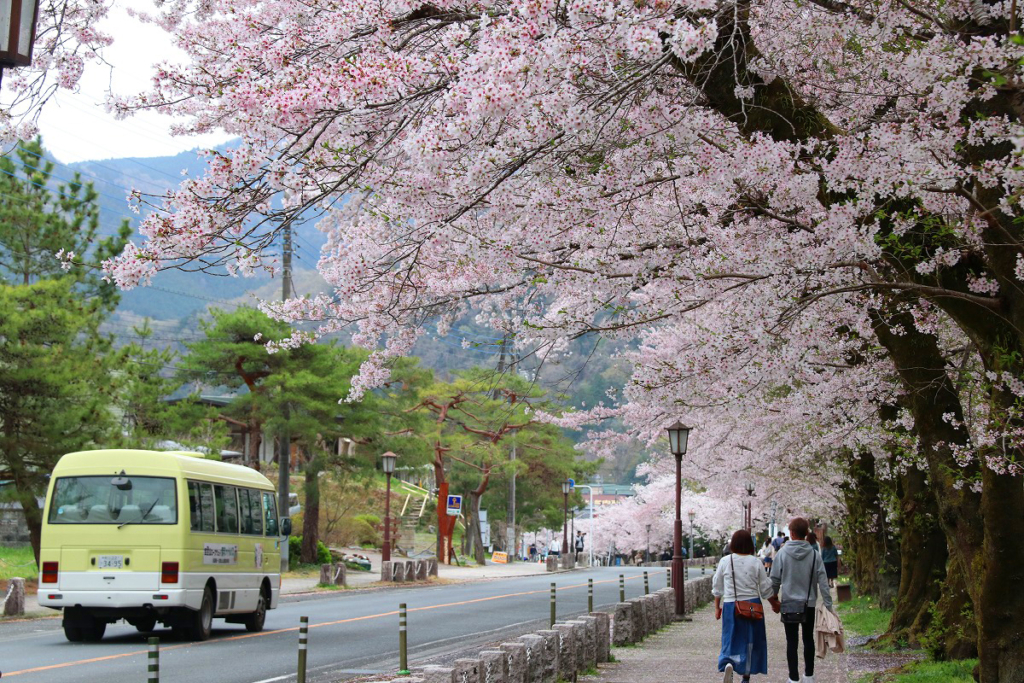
(952, 630)
(923, 556)
(874, 550)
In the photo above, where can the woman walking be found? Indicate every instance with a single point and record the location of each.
(739, 585)
(830, 556)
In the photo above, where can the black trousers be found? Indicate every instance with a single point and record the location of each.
(793, 643)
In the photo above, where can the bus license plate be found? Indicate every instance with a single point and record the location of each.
(110, 562)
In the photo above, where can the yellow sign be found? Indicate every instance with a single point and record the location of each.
(500, 558)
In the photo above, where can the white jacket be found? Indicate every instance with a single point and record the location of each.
(752, 581)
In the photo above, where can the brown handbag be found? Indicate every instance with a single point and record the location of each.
(745, 609)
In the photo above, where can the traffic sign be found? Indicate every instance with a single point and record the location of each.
(572, 483)
(454, 505)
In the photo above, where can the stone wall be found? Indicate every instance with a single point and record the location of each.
(406, 571)
(568, 648)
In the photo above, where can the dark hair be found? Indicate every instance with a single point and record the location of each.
(742, 543)
(798, 528)
(828, 542)
(812, 538)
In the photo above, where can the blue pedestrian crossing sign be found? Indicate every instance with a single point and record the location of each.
(454, 505)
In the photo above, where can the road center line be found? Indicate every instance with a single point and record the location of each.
(122, 655)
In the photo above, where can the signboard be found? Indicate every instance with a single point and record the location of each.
(454, 505)
(485, 530)
(500, 558)
(220, 553)
(572, 483)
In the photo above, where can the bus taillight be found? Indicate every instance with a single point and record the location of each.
(49, 572)
(169, 572)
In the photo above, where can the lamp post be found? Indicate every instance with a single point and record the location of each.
(16, 44)
(647, 556)
(678, 435)
(691, 514)
(388, 464)
(750, 504)
(565, 518)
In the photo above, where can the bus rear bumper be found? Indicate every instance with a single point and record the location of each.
(175, 597)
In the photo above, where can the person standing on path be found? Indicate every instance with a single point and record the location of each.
(830, 557)
(741, 577)
(796, 571)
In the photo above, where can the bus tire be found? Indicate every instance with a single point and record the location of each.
(200, 623)
(73, 630)
(254, 622)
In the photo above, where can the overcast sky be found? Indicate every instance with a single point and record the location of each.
(75, 126)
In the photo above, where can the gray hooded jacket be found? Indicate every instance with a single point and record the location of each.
(791, 571)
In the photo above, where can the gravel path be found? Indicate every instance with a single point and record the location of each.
(688, 653)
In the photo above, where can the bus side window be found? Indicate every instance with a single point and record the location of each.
(200, 506)
(270, 514)
(255, 511)
(227, 509)
(244, 511)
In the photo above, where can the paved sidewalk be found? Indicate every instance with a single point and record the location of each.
(688, 653)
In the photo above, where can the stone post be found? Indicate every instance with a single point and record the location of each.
(550, 654)
(438, 674)
(590, 658)
(386, 572)
(534, 657)
(410, 570)
(604, 635)
(398, 572)
(468, 670)
(566, 651)
(432, 566)
(515, 657)
(14, 603)
(623, 631)
(637, 617)
(421, 570)
(579, 637)
(495, 667)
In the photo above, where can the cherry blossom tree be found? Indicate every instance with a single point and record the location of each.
(792, 204)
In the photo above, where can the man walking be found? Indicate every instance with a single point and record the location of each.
(797, 575)
(579, 545)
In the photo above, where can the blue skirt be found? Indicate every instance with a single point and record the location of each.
(743, 643)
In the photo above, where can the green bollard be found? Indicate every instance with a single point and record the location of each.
(668, 578)
(647, 585)
(590, 595)
(303, 633)
(403, 653)
(154, 660)
(622, 588)
(552, 623)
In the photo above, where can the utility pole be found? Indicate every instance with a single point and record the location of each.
(284, 455)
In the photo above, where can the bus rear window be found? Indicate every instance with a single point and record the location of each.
(113, 500)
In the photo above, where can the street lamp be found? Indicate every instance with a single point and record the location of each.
(691, 514)
(388, 465)
(678, 435)
(647, 559)
(565, 522)
(19, 17)
(750, 503)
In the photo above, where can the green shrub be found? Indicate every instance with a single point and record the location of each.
(323, 555)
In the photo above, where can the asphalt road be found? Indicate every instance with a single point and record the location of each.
(351, 633)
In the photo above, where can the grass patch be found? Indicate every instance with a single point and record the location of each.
(18, 562)
(929, 672)
(863, 617)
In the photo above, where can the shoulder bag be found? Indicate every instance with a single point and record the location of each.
(745, 609)
(795, 611)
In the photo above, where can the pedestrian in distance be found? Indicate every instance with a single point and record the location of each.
(766, 554)
(579, 544)
(798, 575)
(555, 548)
(739, 585)
(812, 540)
(830, 557)
(778, 541)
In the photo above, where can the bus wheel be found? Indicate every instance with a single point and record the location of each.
(72, 623)
(94, 632)
(145, 624)
(200, 623)
(254, 622)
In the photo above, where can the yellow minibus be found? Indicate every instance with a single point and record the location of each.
(149, 537)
